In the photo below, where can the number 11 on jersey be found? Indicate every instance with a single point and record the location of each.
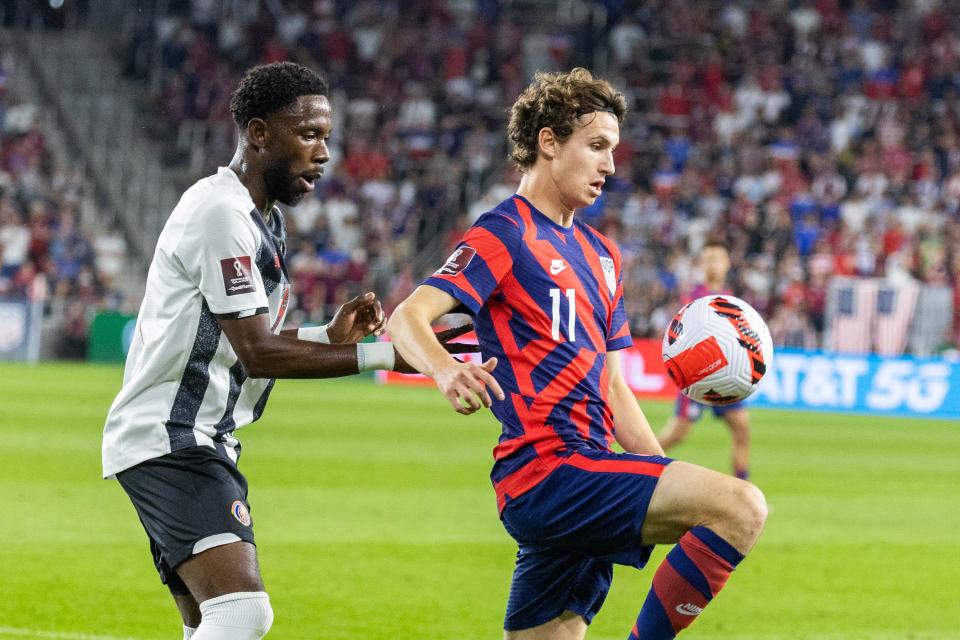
(571, 318)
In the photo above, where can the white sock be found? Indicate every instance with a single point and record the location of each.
(188, 632)
(235, 616)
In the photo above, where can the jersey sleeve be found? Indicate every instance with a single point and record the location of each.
(219, 253)
(479, 264)
(620, 337)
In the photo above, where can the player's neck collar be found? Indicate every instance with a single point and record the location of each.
(537, 214)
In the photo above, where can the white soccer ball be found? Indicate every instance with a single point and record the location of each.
(716, 349)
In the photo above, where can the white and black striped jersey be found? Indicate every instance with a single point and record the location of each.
(183, 385)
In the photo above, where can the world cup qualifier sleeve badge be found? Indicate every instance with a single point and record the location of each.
(237, 275)
(457, 262)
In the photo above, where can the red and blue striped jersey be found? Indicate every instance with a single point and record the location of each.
(547, 302)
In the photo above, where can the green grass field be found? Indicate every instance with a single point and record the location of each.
(375, 519)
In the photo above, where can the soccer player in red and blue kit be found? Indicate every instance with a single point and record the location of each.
(715, 263)
(546, 295)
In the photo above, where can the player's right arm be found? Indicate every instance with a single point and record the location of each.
(464, 385)
(264, 354)
(218, 255)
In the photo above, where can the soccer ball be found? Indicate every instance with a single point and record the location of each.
(717, 349)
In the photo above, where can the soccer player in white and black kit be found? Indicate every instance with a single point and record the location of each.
(209, 344)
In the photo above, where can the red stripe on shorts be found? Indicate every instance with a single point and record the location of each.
(639, 467)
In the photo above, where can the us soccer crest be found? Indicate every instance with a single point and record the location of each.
(609, 274)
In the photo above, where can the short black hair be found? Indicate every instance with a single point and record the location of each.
(267, 88)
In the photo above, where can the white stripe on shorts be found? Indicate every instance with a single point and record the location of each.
(216, 540)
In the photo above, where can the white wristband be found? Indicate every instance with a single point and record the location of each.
(314, 334)
(375, 355)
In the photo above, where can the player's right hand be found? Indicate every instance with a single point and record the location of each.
(357, 318)
(467, 386)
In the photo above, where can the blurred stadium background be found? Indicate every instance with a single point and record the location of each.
(819, 140)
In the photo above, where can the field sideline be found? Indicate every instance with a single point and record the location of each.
(375, 519)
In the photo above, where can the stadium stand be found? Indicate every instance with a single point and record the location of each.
(815, 139)
(50, 250)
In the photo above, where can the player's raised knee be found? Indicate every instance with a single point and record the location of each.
(737, 512)
(757, 503)
(751, 511)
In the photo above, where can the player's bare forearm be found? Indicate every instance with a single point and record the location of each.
(286, 357)
(467, 387)
(294, 354)
(410, 329)
(633, 431)
(265, 355)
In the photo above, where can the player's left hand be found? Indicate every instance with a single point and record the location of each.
(467, 386)
(356, 319)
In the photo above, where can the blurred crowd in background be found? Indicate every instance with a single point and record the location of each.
(419, 92)
(814, 139)
(45, 251)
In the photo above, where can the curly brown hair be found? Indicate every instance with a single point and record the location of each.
(557, 100)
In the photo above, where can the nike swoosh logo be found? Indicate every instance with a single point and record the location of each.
(689, 609)
(555, 269)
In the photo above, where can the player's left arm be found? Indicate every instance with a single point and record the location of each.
(633, 431)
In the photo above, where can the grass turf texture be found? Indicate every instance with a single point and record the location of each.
(375, 519)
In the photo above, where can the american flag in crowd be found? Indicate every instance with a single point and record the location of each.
(853, 303)
(895, 308)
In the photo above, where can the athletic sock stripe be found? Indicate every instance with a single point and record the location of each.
(677, 595)
(714, 568)
(719, 546)
(692, 574)
(653, 619)
(689, 571)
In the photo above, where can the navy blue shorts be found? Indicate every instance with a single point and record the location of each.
(691, 410)
(571, 528)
